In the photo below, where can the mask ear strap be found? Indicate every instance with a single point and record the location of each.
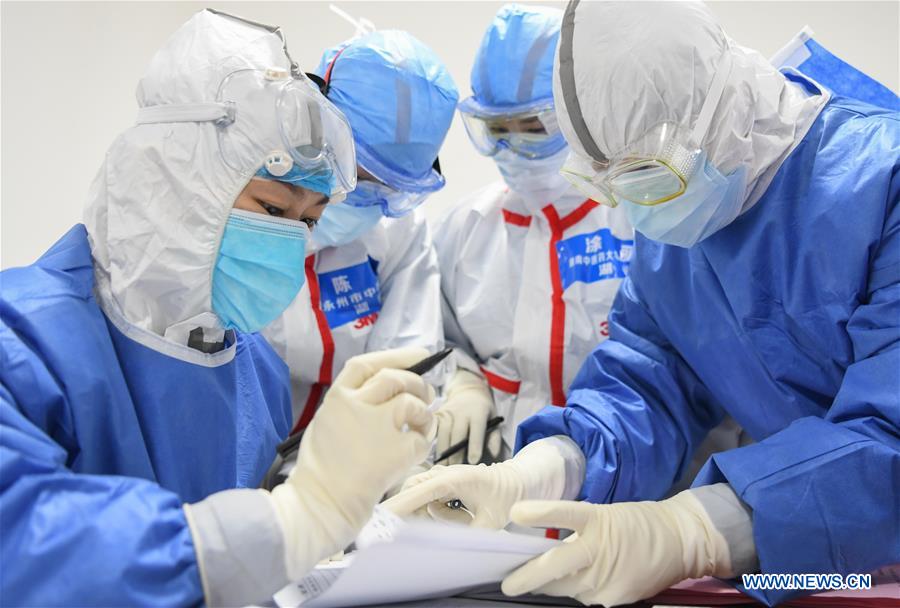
(716, 88)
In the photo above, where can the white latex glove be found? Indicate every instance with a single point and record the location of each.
(398, 486)
(620, 553)
(465, 413)
(487, 491)
(373, 426)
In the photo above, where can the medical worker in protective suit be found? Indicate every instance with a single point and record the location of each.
(529, 265)
(372, 278)
(765, 284)
(138, 409)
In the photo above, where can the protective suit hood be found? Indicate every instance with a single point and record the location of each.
(158, 206)
(624, 67)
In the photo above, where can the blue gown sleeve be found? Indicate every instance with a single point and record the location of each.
(77, 540)
(825, 493)
(636, 410)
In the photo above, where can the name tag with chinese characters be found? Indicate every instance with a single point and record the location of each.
(348, 294)
(592, 257)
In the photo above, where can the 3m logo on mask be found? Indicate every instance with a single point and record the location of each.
(348, 294)
(595, 256)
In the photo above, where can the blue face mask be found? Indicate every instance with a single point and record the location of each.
(710, 202)
(342, 223)
(259, 270)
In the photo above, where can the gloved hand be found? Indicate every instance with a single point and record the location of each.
(465, 413)
(373, 426)
(621, 553)
(398, 485)
(487, 491)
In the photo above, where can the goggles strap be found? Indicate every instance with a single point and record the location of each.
(327, 77)
(716, 88)
(219, 113)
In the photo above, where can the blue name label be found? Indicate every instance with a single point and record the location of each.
(595, 256)
(349, 294)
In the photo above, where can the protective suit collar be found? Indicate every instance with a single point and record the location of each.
(158, 205)
(624, 67)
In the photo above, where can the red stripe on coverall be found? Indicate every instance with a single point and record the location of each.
(500, 383)
(517, 219)
(496, 380)
(326, 367)
(558, 316)
(558, 226)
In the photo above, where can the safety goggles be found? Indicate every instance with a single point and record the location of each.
(658, 165)
(291, 110)
(533, 133)
(393, 203)
(277, 119)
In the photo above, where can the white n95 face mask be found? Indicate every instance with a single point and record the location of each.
(535, 180)
(710, 202)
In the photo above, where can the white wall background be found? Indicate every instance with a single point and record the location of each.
(69, 70)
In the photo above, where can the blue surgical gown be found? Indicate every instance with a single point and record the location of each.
(788, 320)
(102, 440)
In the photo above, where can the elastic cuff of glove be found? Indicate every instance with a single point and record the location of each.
(574, 464)
(545, 467)
(314, 526)
(733, 519)
(464, 380)
(705, 550)
(462, 361)
(239, 547)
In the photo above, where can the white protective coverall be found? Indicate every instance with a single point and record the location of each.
(356, 299)
(516, 303)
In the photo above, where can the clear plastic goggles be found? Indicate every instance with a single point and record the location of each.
(657, 166)
(653, 170)
(393, 203)
(273, 112)
(532, 134)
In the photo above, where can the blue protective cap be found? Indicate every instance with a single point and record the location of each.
(513, 70)
(399, 99)
(321, 182)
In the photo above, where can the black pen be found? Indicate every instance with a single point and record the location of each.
(457, 447)
(429, 363)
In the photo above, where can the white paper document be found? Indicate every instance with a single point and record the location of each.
(401, 561)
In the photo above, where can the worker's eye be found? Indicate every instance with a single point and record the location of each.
(272, 209)
(309, 221)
